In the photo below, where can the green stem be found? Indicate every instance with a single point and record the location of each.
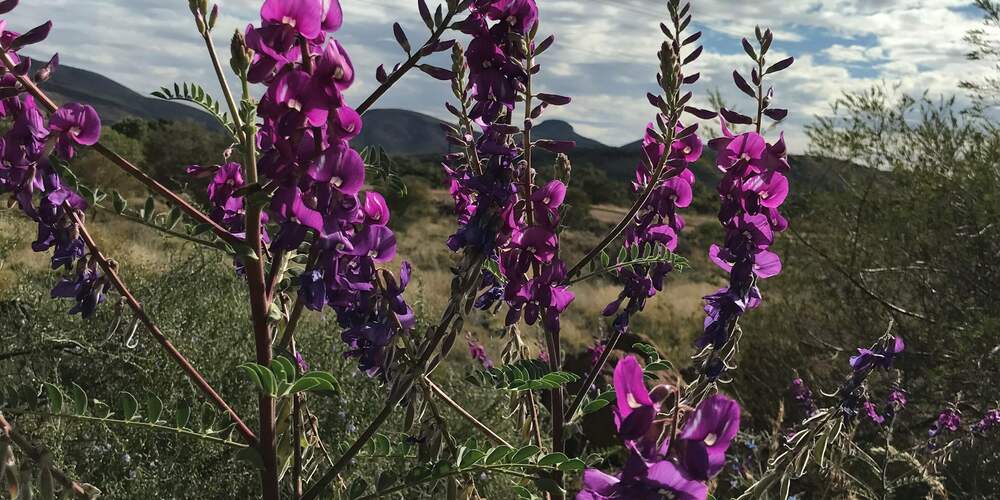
(149, 425)
(170, 232)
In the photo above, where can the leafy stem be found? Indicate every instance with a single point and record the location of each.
(411, 62)
(149, 425)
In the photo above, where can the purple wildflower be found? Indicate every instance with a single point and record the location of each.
(948, 420)
(478, 352)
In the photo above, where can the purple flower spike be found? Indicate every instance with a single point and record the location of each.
(76, 125)
(539, 242)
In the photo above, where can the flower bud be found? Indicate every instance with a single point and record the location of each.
(213, 17)
(240, 60)
(563, 168)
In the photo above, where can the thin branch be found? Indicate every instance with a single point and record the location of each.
(408, 64)
(594, 373)
(189, 370)
(37, 453)
(858, 284)
(170, 232)
(464, 413)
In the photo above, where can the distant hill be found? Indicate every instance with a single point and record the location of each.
(408, 133)
(115, 101)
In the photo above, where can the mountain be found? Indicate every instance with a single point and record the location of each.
(408, 133)
(115, 101)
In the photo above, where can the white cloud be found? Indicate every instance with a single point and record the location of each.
(605, 53)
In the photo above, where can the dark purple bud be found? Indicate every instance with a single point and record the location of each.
(742, 84)
(380, 74)
(45, 72)
(749, 49)
(545, 44)
(691, 39)
(704, 114)
(453, 110)
(400, 35)
(688, 80)
(504, 128)
(654, 99)
(425, 14)
(755, 77)
(553, 99)
(776, 114)
(556, 146)
(693, 55)
(436, 72)
(780, 65)
(35, 35)
(7, 6)
(734, 117)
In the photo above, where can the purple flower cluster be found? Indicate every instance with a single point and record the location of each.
(499, 211)
(29, 175)
(657, 222)
(657, 469)
(990, 421)
(950, 419)
(478, 352)
(304, 147)
(751, 191)
(803, 396)
(854, 396)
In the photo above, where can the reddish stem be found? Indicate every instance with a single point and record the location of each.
(191, 372)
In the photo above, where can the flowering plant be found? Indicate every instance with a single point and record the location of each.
(292, 207)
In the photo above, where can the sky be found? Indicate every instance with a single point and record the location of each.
(604, 56)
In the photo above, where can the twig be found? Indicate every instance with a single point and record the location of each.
(408, 64)
(191, 371)
(464, 413)
(36, 454)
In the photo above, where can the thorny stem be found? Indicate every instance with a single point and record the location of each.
(408, 64)
(465, 414)
(406, 382)
(124, 164)
(191, 371)
(37, 454)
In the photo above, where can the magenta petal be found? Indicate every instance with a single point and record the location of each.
(630, 387)
(677, 482)
(334, 17)
(302, 15)
(767, 264)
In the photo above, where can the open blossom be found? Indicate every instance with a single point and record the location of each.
(948, 420)
(657, 468)
(881, 357)
(478, 352)
(74, 125)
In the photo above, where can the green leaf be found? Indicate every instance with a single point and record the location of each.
(385, 480)
(497, 454)
(182, 414)
(659, 366)
(282, 369)
(553, 459)
(147, 210)
(55, 397)
(380, 445)
(79, 399)
(154, 408)
(470, 458)
(304, 384)
(524, 453)
(128, 405)
(594, 405)
(252, 372)
(550, 486)
(357, 488)
(119, 202)
(605, 259)
(572, 465)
